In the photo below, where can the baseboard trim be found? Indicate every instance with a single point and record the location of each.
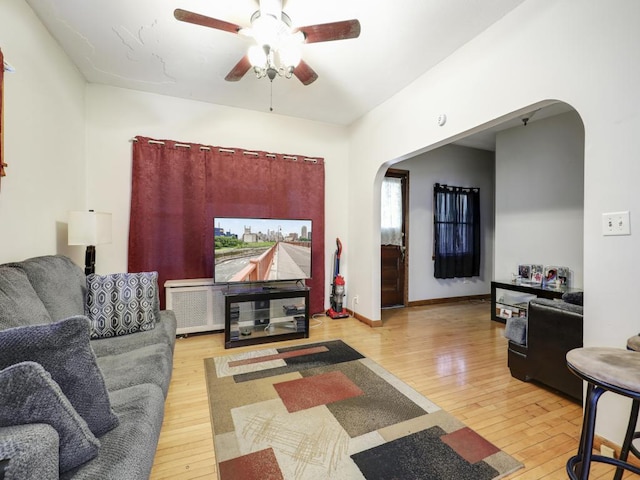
(418, 303)
(598, 441)
(436, 301)
(365, 320)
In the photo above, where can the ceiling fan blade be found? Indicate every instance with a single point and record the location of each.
(305, 73)
(196, 18)
(326, 32)
(239, 70)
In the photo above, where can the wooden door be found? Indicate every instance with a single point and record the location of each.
(392, 274)
(393, 257)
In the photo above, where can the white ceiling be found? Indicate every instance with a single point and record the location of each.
(138, 44)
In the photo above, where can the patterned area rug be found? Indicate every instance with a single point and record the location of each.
(323, 411)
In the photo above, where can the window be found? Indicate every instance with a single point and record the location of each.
(456, 227)
(391, 211)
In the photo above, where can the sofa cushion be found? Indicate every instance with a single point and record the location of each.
(557, 304)
(63, 349)
(163, 333)
(127, 452)
(574, 298)
(153, 364)
(32, 451)
(60, 284)
(122, 303)
(516, 330)
(29, 395)
(19, 302)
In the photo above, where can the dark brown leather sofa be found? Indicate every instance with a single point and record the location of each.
(553, 328)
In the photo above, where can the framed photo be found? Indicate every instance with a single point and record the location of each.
(537, 273)
(563, 276)
(524, 271)
(550, 276)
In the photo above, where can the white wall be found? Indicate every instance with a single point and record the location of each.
(451, 165)
(581, 52)
(540, 196)
(43, 139)
(115, 116)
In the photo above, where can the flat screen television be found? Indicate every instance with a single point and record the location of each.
(261, 249)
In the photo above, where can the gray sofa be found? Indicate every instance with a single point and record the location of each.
(73, 406)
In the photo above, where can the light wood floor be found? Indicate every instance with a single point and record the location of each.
(452, 353)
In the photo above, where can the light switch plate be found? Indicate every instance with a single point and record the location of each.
(616, 223)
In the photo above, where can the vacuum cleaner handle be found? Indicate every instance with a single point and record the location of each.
(336, 264)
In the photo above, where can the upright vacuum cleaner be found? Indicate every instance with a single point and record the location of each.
(337, 309)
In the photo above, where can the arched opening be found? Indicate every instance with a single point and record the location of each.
(529, 166)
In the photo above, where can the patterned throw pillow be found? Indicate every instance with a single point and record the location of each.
(121, 303)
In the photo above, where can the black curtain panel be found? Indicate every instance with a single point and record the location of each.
(456, 227)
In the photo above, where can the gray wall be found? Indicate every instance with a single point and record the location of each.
(451, 165)
(540, 196)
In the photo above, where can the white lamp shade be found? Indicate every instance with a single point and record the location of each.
(89, 228)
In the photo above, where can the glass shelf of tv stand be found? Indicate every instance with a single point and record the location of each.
(261, 316)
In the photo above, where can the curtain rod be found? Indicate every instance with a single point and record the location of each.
(450, 188)
(230, 150)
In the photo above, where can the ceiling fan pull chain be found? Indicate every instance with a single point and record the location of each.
(271, 97)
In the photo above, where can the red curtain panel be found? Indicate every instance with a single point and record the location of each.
(178, 188)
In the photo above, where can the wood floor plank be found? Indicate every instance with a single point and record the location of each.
(451, 353)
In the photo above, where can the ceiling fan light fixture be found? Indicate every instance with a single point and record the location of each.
(269, 29)
(277, 47)
(265, 30)
(290, 56)
(276, 51)
(257, 56)
(271, 7)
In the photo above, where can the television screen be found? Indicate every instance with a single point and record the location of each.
(261, 249)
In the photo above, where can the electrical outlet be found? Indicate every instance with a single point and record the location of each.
(606, 451)
(356, 299)
(616, 223)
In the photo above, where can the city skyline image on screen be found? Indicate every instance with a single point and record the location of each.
(261, 249)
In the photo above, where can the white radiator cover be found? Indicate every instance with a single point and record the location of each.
(197, 303)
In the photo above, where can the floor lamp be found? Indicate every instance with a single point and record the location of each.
(89, 228)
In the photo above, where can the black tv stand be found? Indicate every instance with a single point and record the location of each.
(268, 314)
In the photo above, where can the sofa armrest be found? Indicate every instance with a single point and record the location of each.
(29, 451)
(3, 464)
(516, 330)
(554, 324)
(554, 327)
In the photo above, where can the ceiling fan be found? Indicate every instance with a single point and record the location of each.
(276, 48)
